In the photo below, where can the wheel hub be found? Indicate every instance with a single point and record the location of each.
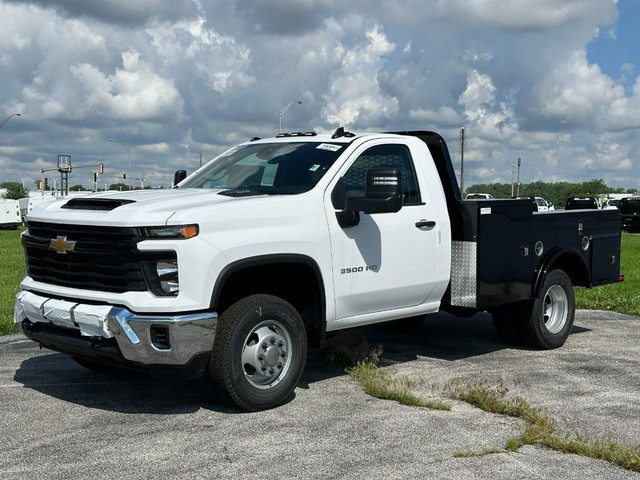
(555, 309)
(265, 355)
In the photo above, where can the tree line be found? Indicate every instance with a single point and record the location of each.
(556, 193)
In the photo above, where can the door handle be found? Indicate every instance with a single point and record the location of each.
(425, 224)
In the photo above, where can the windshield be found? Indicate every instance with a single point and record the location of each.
(267, 168)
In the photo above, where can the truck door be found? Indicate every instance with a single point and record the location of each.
(389, 260)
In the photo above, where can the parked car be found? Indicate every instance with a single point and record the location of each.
(540, 204)
(478, 196)
(582, 203)
(630, 210)
(611, 204)
(544, 206)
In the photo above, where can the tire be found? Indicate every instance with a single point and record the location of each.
(259, 352)
(549, 317)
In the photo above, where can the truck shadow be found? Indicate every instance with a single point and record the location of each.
(441, 336)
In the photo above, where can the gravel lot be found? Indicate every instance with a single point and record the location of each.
(61, 421)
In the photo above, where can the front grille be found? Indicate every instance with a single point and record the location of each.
(103, 258)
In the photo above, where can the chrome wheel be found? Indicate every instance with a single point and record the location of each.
(555, 309)
(266, 354)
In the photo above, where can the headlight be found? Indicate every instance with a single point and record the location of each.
(169, 232)
(162, 277)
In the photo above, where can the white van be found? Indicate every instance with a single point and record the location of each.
(9, 214)
(478, 196)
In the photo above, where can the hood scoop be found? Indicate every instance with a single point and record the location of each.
(103, 204)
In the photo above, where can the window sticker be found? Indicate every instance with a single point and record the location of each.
(328, 146)
(314, 168)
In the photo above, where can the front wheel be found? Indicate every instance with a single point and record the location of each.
(551, 314)
(259, 352)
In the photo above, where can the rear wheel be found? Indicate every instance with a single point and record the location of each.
(259, 352)
(549, 318)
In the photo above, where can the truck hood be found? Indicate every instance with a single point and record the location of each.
(139, 207)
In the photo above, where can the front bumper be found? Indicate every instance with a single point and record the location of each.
(115, 335)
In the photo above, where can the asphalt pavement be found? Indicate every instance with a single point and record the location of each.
(60, 421)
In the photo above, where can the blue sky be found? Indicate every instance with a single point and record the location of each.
(616, 49)
(546, 81)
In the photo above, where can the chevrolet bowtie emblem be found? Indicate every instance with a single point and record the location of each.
(62, 245)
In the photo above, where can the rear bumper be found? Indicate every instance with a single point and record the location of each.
(115, 335)
(630, 221)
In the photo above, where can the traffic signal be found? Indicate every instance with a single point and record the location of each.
(124, 176)
(101, 168)
(39, 184)
(95, 177)
(46, 183)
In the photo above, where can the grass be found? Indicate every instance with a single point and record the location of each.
(361, 361)
(362, 364)
(380, 384)
(11, 273)
(539, 428)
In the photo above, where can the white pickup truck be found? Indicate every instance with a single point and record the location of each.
(277, 241)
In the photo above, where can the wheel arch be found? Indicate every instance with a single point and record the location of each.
(568, 260)
(292, 277)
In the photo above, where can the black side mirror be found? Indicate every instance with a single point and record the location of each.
(179, 176)
(383, 192)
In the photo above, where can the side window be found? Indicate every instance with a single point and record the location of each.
(385, 156)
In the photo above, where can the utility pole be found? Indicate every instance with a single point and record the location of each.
(519, 162)
(462, 161)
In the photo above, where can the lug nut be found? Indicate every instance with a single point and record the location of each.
(281, 343)
(264, 345)
(260, 357)
(272, 339)
(263, 368)
(280, 365)
(283, 354)
(272, 371)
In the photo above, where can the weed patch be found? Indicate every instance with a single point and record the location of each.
(540, 430)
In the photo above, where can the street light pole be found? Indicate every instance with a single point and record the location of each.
(128, 149)
(462, 160)
(518, 188)
(7, 119)
(284, 109)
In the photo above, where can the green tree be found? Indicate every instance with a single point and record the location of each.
(119, 186)
(77, 188)
(15, 191)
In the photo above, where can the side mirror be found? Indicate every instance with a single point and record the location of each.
(383, 192)
(179, 176)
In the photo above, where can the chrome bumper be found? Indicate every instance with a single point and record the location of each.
(181, 338)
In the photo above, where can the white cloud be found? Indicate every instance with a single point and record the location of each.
(354, 95)
(188, 76)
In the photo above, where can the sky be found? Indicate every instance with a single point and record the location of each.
(161, 85)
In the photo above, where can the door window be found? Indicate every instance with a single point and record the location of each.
(385, 156)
